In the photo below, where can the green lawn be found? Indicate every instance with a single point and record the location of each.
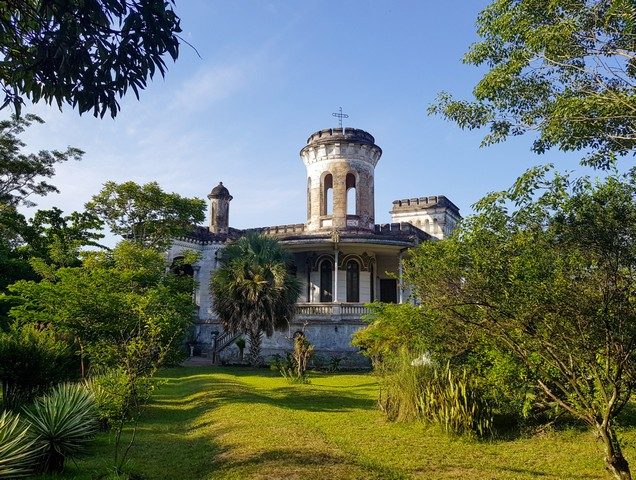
(224, 423)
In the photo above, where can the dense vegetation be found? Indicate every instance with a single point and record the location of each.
(562, 71)
(526, 313)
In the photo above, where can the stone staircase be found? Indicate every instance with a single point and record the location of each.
(220, 343)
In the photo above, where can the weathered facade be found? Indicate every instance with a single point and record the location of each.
(342, 258)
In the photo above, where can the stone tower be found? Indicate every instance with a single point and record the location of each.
(340, 166)
(436, 215)
(220, 199)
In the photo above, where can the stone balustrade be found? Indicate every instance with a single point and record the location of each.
(318, 311)
(331, 311)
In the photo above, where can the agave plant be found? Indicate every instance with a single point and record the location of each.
(63, 422)
(18, 451)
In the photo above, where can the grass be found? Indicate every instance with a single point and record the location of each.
(224, 423)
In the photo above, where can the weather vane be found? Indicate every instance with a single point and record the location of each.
(340, 116)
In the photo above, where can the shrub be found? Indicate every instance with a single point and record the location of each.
(116, 399)
(453, 402)
(294, 365)
(18, 451)
(32, 360)
(281, 364)
(411, 389)
(63, 422)
(401, 386)
(302, 353)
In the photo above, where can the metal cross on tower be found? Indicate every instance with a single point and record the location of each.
(340, 116)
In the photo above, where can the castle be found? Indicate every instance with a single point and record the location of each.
(341, 257)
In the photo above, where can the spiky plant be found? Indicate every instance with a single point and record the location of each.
(18, 451)
(63, 423)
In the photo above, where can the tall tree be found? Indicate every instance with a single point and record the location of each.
(547, 271)
(253, 290)
(24, 174)
(564, 70)
(57, 239)
(145, 214)
(83, 53)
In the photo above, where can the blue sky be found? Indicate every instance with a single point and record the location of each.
(270, 74)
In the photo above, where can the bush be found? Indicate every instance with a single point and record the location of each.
(453, 402)
(32, 360)
(18, 451)
(401, 386)
(62, 423)
(294, 365)
(411, 389)
(116, 399)
(281, 364)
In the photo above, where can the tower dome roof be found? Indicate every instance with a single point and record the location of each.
(219, 191)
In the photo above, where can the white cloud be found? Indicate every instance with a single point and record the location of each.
(210, 85)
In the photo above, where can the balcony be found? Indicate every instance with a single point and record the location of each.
(316, 312)
(331, 311)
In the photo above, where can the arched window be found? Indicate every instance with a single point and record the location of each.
(327, 195)
(427, 226)
(179, 267)
(353, 281)
(352, 204)
(326, 281)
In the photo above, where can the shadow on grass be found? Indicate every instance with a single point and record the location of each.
(300, 463)
(194, 393)
(179, 427)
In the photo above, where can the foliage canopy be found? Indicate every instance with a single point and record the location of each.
(86, 54)
(123, 307)
(22, 174)
(145, 214)
(564, 69)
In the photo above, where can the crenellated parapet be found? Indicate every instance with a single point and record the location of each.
(338, 144)
(436, 214)
(413, 204)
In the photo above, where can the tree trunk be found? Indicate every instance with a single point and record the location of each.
(255, 347)
(82, 366)
(615, 462)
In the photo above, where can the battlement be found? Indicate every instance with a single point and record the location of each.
(341, 144)
(423, 203)
(331, 135)
(275, 230)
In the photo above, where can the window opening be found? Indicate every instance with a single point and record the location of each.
(326, 281)
(353, 281)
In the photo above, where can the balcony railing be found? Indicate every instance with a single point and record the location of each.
(331, 310)
(327, 311)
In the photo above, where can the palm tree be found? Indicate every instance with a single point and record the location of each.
(253, 289)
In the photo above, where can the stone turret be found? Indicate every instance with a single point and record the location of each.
(337, 161)
(436, 215)
(220, 199)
